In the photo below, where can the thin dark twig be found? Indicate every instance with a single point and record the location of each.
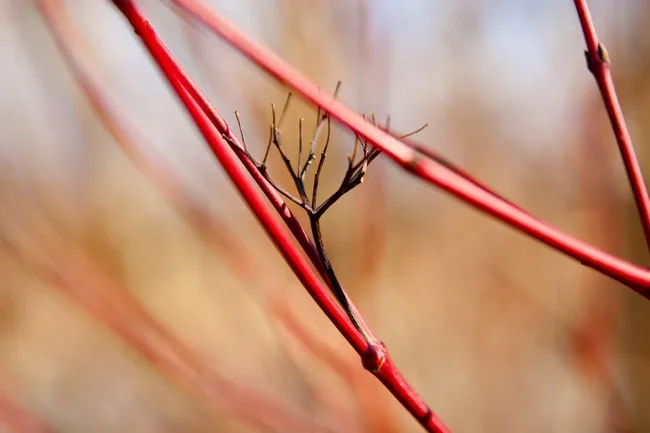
(285, 159)
(408, 134)
(321, 161)
(360, 158)
(300, 122)
(312, 145)
(268, 147)
(241, 130)
(285, 108)
(336, 89)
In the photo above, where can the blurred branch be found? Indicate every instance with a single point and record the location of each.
(17, 419)
(212, 229)
(76, 277)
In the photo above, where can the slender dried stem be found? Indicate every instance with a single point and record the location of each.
(634, 276)
(374, 356)
(598, 63)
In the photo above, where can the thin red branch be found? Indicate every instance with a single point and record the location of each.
(598, 63)
(374, 356)
(635, 277)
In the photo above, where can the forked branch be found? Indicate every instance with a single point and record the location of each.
(363, 154)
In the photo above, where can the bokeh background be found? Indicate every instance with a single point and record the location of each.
(498, 333)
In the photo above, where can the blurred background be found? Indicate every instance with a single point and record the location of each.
(138, 294)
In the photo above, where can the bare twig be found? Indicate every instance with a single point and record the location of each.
(353, 176)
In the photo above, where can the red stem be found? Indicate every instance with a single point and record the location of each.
(599, 65)
(375, 358)
(635, 277)
(18, 419)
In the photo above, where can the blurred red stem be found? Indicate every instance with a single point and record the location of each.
(17, 419)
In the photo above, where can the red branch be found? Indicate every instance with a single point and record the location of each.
(18, 419)
(374, 355)
(430, 170)
(598, 63)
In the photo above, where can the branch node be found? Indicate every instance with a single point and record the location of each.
(426, 418)
(603, 55)
(413, 163)
(598, 59)
(375, 357)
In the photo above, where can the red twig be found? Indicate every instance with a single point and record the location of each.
(598, 63)
(374, 355)
(635, 277)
